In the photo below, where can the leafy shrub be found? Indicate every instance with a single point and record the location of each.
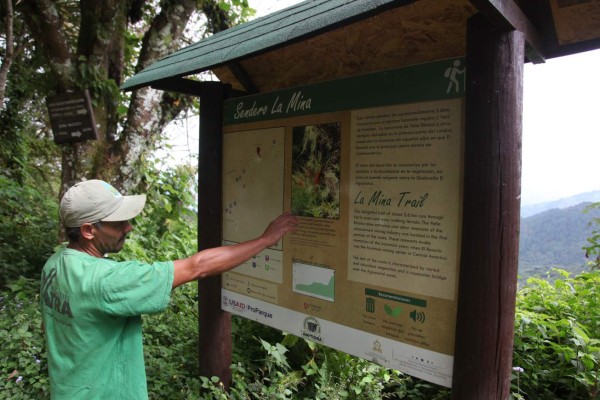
(171, 348)
(592, 250)
(28, 220)
(557, 331)
(23, 361)
(167, 228)
(269, 364)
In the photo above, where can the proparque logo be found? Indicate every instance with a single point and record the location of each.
(259, 311)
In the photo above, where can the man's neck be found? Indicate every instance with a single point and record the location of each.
(85, 248)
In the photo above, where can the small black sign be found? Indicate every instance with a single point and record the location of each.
(72, 117)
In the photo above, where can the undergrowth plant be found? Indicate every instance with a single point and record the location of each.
(28, 229)
(23, 362)
(171, 347)
(295, 368)
(592, 248)
(557, 338)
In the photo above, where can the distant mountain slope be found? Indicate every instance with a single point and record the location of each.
(555, 238)
(528, 211)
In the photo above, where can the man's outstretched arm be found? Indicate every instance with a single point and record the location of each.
(220, 259)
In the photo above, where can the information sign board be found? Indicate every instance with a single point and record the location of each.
(372, 166)
(71, 117)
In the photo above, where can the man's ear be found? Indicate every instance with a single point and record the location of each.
(87, 231)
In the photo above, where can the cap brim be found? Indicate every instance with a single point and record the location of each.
(130, 207)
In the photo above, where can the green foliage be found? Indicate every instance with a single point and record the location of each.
(272, 365)
(557, 331)
(94, 78)
(239, 10)
(29, 176)
(23, 362)
(167, 228)
(171, 347)
(28, 229)
(592, 248)
(25, 148)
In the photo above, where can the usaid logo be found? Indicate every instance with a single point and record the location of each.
(236, 305)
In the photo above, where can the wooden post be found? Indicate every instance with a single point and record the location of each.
(214, 324)
(490, 239)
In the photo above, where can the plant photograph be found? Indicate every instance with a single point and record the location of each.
(316, 170)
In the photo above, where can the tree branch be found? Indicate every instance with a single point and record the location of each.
(45, 24)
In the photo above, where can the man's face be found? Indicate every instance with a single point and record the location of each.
(110, 236)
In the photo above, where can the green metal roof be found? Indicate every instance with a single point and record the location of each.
(294, 23)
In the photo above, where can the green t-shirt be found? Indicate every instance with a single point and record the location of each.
(91, 310)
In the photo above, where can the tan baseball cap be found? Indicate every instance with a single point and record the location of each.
(95, 200)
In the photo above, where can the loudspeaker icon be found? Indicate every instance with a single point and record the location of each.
(417, 316)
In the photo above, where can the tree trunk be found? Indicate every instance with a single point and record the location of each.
(8, 56)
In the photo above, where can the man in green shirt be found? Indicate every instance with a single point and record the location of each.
(92, 305)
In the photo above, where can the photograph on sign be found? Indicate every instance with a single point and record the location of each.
(316, 153)
(372, 167)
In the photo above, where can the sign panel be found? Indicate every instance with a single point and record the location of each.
(372, 166)
(71, 117)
